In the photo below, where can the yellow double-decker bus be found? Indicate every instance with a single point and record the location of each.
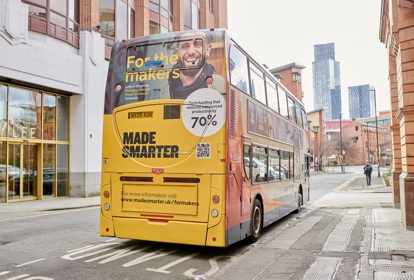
(201, 144)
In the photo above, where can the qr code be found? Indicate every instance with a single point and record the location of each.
(203, 150)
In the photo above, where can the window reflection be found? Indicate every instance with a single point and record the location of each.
(24, 113)
(62, 170)
(107, 17)
(191, 14)
(283, 103)
(58, 6)
(161, 16)
(3, 111)
(49, 170)
(49, 117)
(63, 116)
(3, 175)
(34, 115)
(238, 69)
(257, 84)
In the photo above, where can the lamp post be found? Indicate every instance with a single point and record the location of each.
(376, 128)
(341, 152)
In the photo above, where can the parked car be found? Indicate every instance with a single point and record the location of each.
(284, 171)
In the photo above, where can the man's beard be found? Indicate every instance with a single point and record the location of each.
(192, 71)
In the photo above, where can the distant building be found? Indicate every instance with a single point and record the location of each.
(359, 138)
(290, 76)
(361, 101)
(326, 81)
(359, 142)
(317, 138)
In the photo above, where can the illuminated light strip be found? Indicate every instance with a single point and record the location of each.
(157, 216)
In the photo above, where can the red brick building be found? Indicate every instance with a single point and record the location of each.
(396, 31)
(359, 142)
(290, 76)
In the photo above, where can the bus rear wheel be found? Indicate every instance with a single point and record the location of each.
(300, 203)
(256, 222)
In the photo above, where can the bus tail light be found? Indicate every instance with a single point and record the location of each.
(209, 80)
(216, 199)
(106, 194)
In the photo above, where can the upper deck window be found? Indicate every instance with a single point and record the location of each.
(292, 109)
(257, 85)
(283, 103)
(165, 66)
(272, 95)
(239, 73)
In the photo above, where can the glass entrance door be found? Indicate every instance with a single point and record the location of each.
(23, 170)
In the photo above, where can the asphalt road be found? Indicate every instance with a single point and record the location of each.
(66, 244)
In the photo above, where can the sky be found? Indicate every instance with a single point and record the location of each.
(280, 32)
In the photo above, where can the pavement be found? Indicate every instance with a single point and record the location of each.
(55, 204)
(361, 241)
(351, 233)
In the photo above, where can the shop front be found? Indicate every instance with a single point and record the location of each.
(34, 144)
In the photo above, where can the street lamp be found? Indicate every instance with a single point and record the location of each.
(341, 152)
(376, 129)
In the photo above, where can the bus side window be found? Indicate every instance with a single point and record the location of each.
(283, 103)
(239, 73)
(246, 158)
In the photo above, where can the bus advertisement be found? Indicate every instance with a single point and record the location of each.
(201, 145)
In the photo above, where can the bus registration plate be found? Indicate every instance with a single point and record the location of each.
(139, 115)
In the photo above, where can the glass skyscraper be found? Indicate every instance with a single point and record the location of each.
(361, 102)
(326, 81)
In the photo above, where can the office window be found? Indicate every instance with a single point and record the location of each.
(191, 14)
(62, 22)
(161, 15)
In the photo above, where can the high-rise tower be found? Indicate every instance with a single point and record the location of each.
(326, 81)
(361, 102)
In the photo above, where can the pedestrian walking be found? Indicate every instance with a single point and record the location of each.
(367, 172)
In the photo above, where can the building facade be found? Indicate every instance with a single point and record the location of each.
(361, 101)
(361, 140)
(317, 137)
(290, 76)
(53, 66)
(396, 31)
(326, 81)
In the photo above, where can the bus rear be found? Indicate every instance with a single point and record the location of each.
(164, 139)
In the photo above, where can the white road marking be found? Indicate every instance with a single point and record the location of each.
(23, 264)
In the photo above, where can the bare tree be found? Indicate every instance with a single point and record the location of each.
(349, 148)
